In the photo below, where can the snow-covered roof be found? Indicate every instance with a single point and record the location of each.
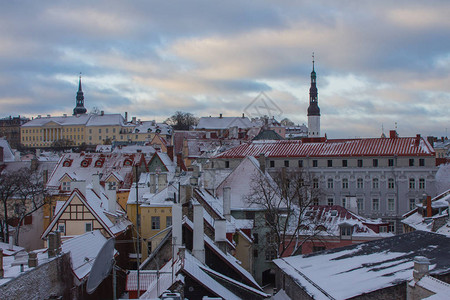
(83, 250)
(402, 146)
(9, 250)
(205, 148)
(8, 155)
(83, 165)
(440, 289)
(224, 123)
(153, 127)
(98, 206)
(60, 120)
(346, 272)
(240, 180)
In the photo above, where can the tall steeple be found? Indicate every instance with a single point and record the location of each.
(313, 109)
(79, 108)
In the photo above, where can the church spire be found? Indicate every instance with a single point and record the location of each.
(313, 109)
(79, 108)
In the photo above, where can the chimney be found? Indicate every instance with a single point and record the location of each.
(227, 203)
(38, 152)
(220, 116)
(32, 260)
(2, 271)
(17, 156)
(198, 249)
(96, 183)
(1, 155)
(34, 164)
(102, 113)
(52, 244)
(11, 243)
(392, 134)
(177, 236)
(262, 162)
(421, 264)
(180, 162)
(133, 120)
(126, 116)
(429, 208)
(243, 116)
(417, 140)
(185, 193)
(79, 185)
(220, 234)
(182, 253)
(170, 152)
(112, 199)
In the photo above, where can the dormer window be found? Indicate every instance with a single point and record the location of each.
(346, 231)
(85, 163)
(127, 162)
(65, 186)
(67, 163)
(99, 163)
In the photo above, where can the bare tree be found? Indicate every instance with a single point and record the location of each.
(182, 120)
(287, 122)
(21, 194)
(285, 198)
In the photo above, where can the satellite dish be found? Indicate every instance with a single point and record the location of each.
(102, 266)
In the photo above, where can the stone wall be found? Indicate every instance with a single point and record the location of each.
(53, 278)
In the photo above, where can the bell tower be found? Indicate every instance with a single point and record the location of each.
(313, 109)
(79, 108)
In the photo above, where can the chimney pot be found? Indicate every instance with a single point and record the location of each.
(32, 260)
(421, 264)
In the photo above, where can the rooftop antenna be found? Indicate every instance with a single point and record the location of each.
(101, 268)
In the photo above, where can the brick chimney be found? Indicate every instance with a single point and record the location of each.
(170, 152)
(392, 134)
(429, 208)
(262, 162)
(417, 140)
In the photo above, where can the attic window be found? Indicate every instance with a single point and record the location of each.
(85, 163)
(99, 163)
(149, 130)
(346, 231)
(67, 163)
(127, 162)
(334, 213)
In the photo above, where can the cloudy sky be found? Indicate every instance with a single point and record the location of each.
(380, 64)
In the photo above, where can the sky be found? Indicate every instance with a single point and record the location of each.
(381, 65)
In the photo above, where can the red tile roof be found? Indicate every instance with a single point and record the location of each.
(406, 146)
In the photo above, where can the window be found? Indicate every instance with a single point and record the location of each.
(360, 203)
(100, 130)
(375, 204)
(412, 204)
(300, 163)
(346, 231)
(155, 223)
(66, 186)
(330, 201)
(255, 253)
(114, 130)
(375, 162)
(88, 227)
(390, 204)
(344, 163)
(168, 221)
(360, 163)
(112, 185)
(227, 164)
(271, 254)
(375, 183)
(330, 183)
(390, 162)
(62, 228)
(286, 163)
(255, 238)
(329, 163)
(421, 162)
(421, 183)
(345, 183)
(106, 130)
(344, 202)
(100, 137)
(315, 183)
(359, 183)
(314, 163)
(383, 229)
(315, 202)
(412, 183)
(149, 247)
(391, 183)
(272, 164)
(391, 226)
(411, 162)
